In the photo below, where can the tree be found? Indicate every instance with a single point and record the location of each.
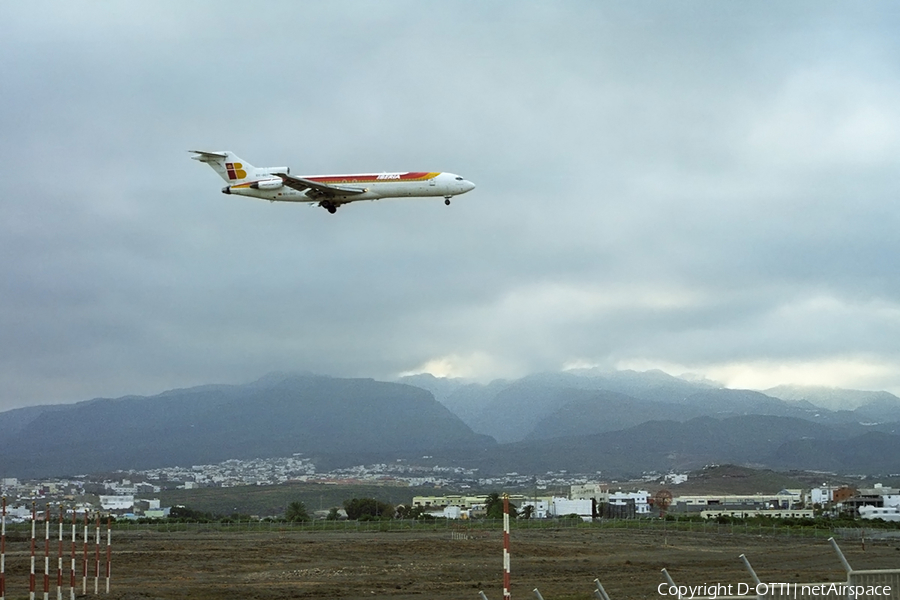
(527, 511)
(333, 514)
(413, 512)
(362, 509)
(296, 511)
(185, 513)
(493, 506)
(493, 499)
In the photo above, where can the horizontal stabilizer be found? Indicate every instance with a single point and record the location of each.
(203, 156)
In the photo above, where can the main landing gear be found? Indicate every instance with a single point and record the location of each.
(329, 206)
(447, 200)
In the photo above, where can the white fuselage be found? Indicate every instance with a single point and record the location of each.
(376, 186)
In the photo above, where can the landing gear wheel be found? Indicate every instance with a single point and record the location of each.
(329, 206)
(331, 209)
(447, 201)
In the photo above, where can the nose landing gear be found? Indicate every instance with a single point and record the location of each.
(447, 200)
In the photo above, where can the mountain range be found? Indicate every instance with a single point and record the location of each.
(560, 404)
(275, 416)
(620, 423)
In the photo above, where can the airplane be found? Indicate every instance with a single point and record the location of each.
(276, 184)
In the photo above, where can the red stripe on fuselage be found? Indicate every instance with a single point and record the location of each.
(374, 178)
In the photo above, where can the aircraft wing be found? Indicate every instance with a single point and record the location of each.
(322, 189)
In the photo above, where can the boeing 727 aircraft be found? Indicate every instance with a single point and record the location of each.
(276, 184)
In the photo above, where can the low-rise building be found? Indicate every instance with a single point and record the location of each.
(822, 495)
(598, 492)
(452, 512)
(116, 502)
(639, 499)
(540, 508)
(675, 478)
(785, 499)
(878, 496)
(561, 507)
(775, 513)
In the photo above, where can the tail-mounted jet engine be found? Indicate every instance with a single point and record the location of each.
(267, 184)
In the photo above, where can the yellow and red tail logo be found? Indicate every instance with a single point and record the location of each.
(236, 170)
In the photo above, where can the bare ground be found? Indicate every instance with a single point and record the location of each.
(429, 564)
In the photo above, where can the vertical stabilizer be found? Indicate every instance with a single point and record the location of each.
(229, 166)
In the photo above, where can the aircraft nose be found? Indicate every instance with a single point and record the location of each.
(468, 186)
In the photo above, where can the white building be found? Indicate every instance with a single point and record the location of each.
(775, 513)
(783, 499)
(452, 512)
(890, 496)
(891, 500)
(675, 478)
(18, 514)
(541, 508)
(589, 491)
(561, 507)
(641, 505)
(116, 502)
(822, 495)
(875, 512)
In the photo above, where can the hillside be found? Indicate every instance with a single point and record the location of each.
(546, 405)
(276, 416)
(751, 440)
(733, 479)
(872, 452)
(618, 423)
(589, 412)
(836, 398)
(271, 500)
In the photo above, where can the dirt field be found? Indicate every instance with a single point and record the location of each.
(428, 564)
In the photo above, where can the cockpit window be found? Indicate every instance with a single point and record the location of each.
(459, 178)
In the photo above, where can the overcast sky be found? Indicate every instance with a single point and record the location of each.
(705, 187)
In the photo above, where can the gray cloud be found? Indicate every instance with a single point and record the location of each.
(704, 186)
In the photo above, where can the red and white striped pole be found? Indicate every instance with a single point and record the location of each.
(31, 581)
(47, 552)
(72, 570)
(59, 556)
(3, 551)
(97, 559)
(506, 595)
(85, 555)
(108, 550)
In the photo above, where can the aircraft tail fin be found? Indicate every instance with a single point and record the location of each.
(229, 166)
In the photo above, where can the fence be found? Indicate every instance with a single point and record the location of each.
(655, 525)
(65, 552)
(882, 584)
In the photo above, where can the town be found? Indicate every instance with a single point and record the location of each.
(135, 494)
